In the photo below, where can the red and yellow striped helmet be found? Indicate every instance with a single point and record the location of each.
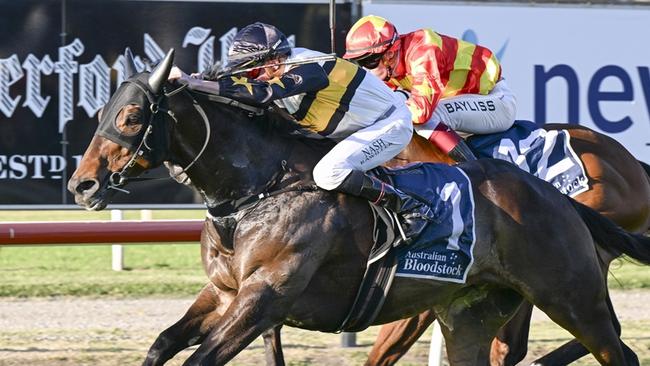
(369, 35)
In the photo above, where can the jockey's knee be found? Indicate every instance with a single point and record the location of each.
(508, 102)
(401, 129)
(329, 175)
(510, 108)
(405, 128)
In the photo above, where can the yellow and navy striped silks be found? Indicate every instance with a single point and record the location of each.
(332, 98)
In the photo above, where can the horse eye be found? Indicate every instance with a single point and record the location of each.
(133, 118)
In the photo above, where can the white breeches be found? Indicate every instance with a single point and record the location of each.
(474, 113)
(366, 148)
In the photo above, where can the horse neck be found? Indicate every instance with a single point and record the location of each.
(241, 157)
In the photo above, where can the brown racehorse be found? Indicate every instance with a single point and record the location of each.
(297, 255)
(619, 189)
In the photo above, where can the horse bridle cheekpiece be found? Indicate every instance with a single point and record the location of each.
(141, 90)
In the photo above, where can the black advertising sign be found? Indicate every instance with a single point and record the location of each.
(61, 60)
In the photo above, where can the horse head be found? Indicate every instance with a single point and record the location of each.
(132, 136)
(149, 121)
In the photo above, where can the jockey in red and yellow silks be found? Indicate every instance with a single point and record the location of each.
(452, 83)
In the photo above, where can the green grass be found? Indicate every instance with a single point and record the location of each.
(86, 271)
(627, 275)
(169, 270)
(166, 269)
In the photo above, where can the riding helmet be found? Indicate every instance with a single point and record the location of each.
(256, 43)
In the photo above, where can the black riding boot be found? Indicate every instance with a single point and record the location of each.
(461, 152)
(416, 214)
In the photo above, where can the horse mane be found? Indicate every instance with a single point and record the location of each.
(277, 121)
(274, 121)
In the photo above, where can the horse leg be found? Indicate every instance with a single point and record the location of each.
(591, 321)
(192, 328)
(471, 321)
(263, 301)
(395, 339)
(273, 347)
(573, 350)
(256, 308)
(511, 343)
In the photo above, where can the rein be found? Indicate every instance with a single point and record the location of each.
(119, 179)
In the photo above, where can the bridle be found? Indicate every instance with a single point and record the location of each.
(154, 147)
(146, 149)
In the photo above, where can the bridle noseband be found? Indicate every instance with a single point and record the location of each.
(155, 154)
(146, 149)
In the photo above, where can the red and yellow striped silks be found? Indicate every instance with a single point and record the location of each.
(434, 66)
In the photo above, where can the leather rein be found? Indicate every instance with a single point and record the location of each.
(117, 180)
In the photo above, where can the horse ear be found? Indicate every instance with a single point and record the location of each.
(129, 63)
(100, 113)
(160, 74)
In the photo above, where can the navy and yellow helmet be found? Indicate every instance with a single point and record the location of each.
(256, 43)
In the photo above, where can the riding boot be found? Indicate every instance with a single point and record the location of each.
(451, 143)
(415, 213)
(461, 152)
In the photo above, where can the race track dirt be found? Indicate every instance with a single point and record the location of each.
(77, 331)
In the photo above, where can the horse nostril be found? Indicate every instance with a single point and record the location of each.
(86, 185)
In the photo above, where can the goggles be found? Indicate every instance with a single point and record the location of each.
(370, 62)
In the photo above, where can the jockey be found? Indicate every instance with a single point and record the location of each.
(453, 84)
(332, 99)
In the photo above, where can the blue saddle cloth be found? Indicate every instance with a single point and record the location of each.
(545, 154)
(444, 249)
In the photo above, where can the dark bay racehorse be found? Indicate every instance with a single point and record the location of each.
(298, 256)
(619, 189)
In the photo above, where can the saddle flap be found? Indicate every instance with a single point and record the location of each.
(380, 271)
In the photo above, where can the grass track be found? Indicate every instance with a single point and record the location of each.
(167, 269)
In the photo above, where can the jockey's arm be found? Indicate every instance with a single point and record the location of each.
(302, 79)
(426, 88)
(424, 99)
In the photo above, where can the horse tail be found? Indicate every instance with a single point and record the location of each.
(611, 236)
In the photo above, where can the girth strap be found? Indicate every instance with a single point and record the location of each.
(246, 202)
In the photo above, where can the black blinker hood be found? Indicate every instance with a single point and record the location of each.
(136, 91)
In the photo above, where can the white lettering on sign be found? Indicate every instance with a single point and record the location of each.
(201, 37)
(94, 85)
(226, 41)
(94, 78)
(10, 73)
(66, 67)
(35, 67)
(20, 167)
